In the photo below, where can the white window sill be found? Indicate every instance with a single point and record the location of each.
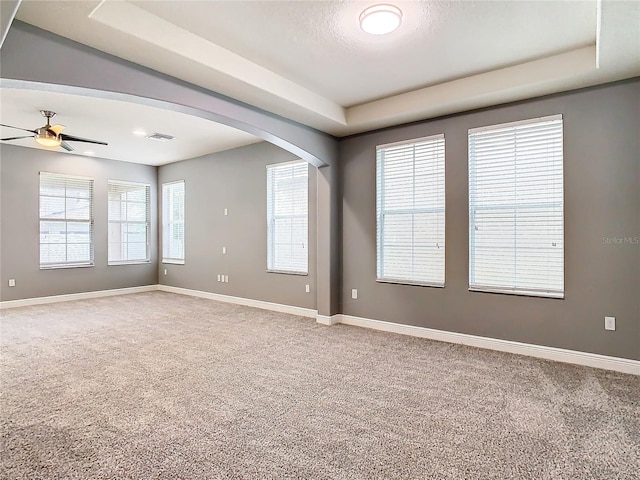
(132, 262)
(409, 282)
(56, 267)
(173, 262)
(286, 272)
(522, 293)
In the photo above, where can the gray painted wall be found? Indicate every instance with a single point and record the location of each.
(602, 200)
(19, 204)
(236, 180)
(107, 76)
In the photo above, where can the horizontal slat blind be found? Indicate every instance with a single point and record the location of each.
(66, 221)
(173, 238)
(287, 217)
(129, 222)
(410, 204)
(516, 208)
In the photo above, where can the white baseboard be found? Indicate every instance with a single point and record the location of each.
(328, 320)
(25, 302)
(276, 307)
(539, 351)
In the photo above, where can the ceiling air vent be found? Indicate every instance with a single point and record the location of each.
(161, 137)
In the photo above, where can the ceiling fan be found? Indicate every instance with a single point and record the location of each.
(51, 135)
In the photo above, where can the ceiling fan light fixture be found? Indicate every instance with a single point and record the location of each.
(48, 140)
(380, 19)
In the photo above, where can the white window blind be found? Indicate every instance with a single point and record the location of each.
(516, 212)
(410, 205)
(287, 217)
(173, 222)
(129, 222)
(66, 221)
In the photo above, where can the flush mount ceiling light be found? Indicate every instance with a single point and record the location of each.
(380, 19)
(139, 133)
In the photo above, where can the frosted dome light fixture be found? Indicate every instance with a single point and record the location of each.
(380, 19)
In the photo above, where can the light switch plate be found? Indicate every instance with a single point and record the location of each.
(609, 323)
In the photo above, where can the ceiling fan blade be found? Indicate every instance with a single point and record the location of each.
(57, 129)
(66, 146)
(70, 138)
(17, 128)
(15, 138)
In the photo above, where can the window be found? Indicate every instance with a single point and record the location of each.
(516, 232)
(129, 225)
(173, 222)
(66, 221)
(410, 206)
(287, 217)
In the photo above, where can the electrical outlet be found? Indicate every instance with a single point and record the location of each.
(224, 250)
(354, 293)
(307, 289)
(609, 323)
(12, 282)
(165, 271)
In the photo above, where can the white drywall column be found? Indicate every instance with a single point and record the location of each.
(329, 238)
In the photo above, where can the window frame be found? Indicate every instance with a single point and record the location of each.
(90, 221)
(166, 223)
(271, 218)
(381, 211)
(514, 289)
(146, 223)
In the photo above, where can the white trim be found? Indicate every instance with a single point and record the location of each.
(127, 183)
(276, 307)
(617, 364)
(172, 182)
(328, 320)
(25, 302)
(66, 176)
(173, 261)
(500, 126)
(283, 164)
(438, 136)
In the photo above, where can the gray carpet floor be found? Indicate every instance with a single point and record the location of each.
(163, 386)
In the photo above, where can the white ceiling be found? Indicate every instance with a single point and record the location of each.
(113, 122)
(309, 61)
